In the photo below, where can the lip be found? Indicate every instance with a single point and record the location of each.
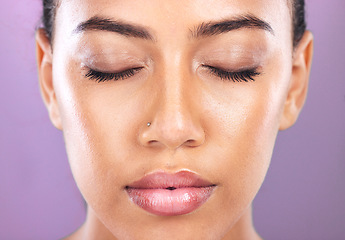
(166, 194)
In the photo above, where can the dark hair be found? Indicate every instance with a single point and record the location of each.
(299, 22)
(298, 11)
(48, 17)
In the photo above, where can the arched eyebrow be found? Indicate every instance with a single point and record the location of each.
(106, 24)
(243, 21)
(205, 29)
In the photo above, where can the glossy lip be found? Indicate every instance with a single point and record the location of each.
(165, 194)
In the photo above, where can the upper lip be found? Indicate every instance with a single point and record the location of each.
(164, 180)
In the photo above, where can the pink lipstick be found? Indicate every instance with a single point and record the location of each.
(166, 194)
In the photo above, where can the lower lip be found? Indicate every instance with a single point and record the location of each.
(164, 202)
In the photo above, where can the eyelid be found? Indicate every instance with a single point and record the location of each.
(100, 76)
(242, 75)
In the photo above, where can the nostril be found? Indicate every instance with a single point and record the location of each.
(192, 143)
(172, 134)
(152, 141)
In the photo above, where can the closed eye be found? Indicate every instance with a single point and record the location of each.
(239, 76)
(103, 77)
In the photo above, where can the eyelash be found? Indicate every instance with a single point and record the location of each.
(103, 77)
(242, 76)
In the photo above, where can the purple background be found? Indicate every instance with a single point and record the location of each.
(303, 196)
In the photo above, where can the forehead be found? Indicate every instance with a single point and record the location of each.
(206, 9)
(164, 16)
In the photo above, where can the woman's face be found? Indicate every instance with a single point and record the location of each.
(212, 78)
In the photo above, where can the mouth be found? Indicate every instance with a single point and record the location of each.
(166, 194)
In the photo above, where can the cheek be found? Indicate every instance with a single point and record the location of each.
(96, 124)
(243, 127)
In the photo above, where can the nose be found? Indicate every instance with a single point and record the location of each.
(176, 114)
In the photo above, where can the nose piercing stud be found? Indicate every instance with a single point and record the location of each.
(148, 124)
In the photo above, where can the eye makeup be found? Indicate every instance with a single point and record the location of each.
(235, 76)
(103, 76)
(236, 58)
(112, 66)
(234, 63)
(238, 65)
(102, 60)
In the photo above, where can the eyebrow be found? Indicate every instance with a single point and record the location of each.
(106, 24)
(202, 30)
(242, 21)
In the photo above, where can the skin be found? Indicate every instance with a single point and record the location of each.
(222, 130)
